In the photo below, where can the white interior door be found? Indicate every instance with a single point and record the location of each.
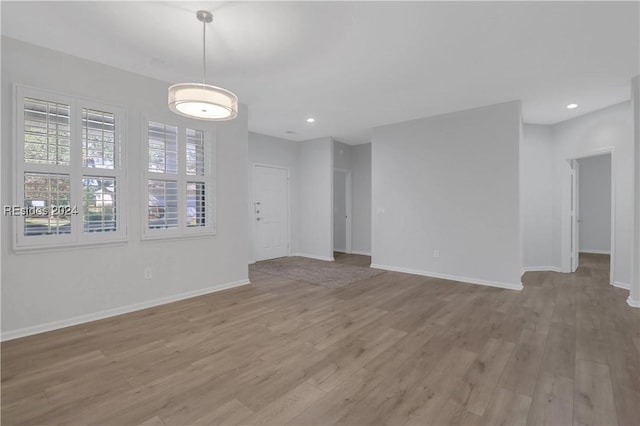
(271, 212)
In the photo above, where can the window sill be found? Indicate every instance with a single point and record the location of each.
(69, 246)
(194, 236)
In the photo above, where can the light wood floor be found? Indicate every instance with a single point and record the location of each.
(394, 349)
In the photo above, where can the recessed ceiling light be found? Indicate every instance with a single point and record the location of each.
(311, 120)
(572, 106)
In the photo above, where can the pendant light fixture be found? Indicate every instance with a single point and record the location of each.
(201, 100)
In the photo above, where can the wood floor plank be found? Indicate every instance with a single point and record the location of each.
(552, 402)
(521, 373)
(507, 408)
(593, 397)
(477, 386)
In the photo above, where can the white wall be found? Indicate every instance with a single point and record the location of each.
(450, 183)
(273, 151)
(55, 288)
(342, 156)
(537, 195)
(315, 197)
(361, 194)
(594, 133)
(296, 155)
(594, 209)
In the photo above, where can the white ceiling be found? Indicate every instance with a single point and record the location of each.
(357, 65)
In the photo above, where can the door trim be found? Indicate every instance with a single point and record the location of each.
(253, 203)
(594, 153)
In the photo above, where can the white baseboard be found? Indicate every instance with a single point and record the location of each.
(251, 262)
(362, 253)
(341, 250)
(595, 251)
(621, 285)
(540, 269)
(55, 325)
(313, 256)
(633, 303)
(468, 280)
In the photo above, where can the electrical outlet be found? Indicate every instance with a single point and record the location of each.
(436, 254)
(148, 273)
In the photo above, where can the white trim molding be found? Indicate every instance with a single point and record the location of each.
(467, 280)
(633, 303)
(362, 253)
(623, 286)
(313, 256)
(82, 319)
(595, 251)
(540, 269)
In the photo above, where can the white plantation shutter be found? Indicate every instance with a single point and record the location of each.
(68, 155)
(178, 182)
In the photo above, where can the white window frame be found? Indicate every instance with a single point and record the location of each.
(182, 230)
(75, 171)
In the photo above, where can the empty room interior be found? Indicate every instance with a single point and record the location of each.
(320, 213)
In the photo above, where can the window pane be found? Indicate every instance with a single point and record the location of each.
(98, 139)
(195, 152)
(196, 206)
(47, 199)
(163, 204)
(99, 204)
(46, 132)
(163, 148)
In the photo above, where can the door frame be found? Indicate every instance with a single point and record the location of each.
(253, 203)
(576, 188)
(575, 216)
(348, 208)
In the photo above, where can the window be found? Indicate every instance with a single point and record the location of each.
(68, 171)
(178, 181)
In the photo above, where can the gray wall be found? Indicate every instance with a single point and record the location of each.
(595, 204)
(634, 294)
(450, 183)
(537, 197)
(361, 208)
(584, 136)
(591, 134)
(55, 288)
(315, 196)
(308, 173)
(272, 151)
(342, 156)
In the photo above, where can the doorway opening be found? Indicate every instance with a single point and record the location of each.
(592, 210)
(342, 211)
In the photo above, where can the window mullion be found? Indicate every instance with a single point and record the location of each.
(76, 171)
(182, 182)
(19, 162)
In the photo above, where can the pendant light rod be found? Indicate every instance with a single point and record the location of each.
(205, 17)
